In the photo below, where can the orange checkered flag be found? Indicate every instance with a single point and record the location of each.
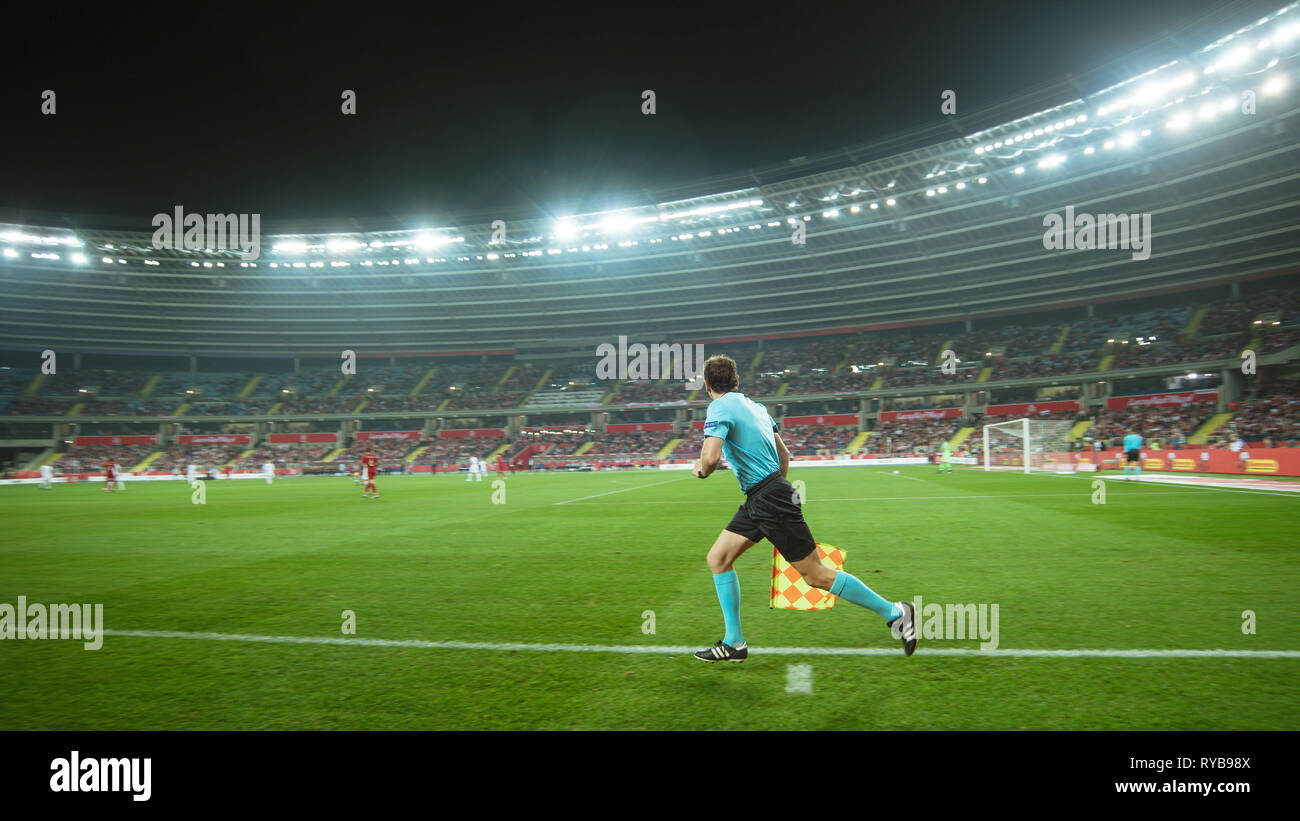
(791, 592)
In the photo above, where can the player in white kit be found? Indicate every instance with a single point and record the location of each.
(47, 477)
(117, 471)
(268, 470)
(473, 469)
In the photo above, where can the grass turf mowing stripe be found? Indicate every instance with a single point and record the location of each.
(669, 650)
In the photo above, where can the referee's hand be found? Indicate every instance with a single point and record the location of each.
(698, 471)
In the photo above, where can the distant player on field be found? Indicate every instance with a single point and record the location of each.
(743, 430)
(1132, 454)
(268, 471)
(47, 477)
(945, 457)
(370, 469)
(110, 479)
(119, 475)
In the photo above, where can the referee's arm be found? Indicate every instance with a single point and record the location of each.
(782, 453)
(710, 454)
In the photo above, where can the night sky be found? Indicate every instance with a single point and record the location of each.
(463, 113)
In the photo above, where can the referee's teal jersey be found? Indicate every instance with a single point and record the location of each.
(1133, 441)
(746, 430)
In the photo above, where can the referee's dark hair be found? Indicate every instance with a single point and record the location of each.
(720, 373)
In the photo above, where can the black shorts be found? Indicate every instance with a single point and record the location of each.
(772, 511)
(1134, 455)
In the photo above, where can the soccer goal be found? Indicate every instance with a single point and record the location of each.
(1029, 445)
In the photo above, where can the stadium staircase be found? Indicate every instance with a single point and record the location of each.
(343, 380)
(1105, 363)
(584, 447)
(274, 409)
(494, 454)
(839, 366)
(1253, 345)
(329, 457)
(34, 385)
(880, 380)
(361, 405)
(753, 365)
(785, 386)
(666, 449)
(541, 383)
(609, 397)
(693, 394)
(181, 408)
(144, 464)
(49, 457)
(150, 385)
(1080, 428)
(985, 374)
(1059, 344)
(946, 346)
(444, 403)
(510, 371)
(1212, 424)
(855, 444)
(960, 436)
(1194, 324)
(413, 455)
(424, 380)
(76, 409)
(250, 387)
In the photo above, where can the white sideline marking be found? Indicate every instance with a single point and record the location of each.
(798, 678)
(609, 492)
(676, 502)
(650, 649)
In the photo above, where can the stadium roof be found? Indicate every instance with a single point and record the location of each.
(1205, 146)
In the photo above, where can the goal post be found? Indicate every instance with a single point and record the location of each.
(1029, 445)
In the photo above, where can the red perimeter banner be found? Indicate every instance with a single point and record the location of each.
(827, 419)
(302, 438)
(633, 427)
(1252, 461)
(399, 435)
(555, 427)
(1032, 408)
(472, 433)
(215, 439)
(1158, 400)
(914, 415)
(82, 441)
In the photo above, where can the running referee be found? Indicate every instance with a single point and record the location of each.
(742, 429)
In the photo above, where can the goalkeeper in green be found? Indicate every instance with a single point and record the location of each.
(945, 457)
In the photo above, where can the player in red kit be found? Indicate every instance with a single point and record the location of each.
(110, 477)
(369, 469)
(501, 467)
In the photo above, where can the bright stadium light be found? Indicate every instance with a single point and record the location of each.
(1019, 170)
(890, 201)
(1051, 161)
(566, 229)
(10, 253)
(1275, 84)
(80, 259)
(1128, 139)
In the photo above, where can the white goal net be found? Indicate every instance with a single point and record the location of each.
(1029, 445)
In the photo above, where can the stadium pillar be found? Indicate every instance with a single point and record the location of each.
(1231, 389)
(76, 361)
(194, 365)
(1236, 289)
(864, 411)
(1091, 311)
(297, 365)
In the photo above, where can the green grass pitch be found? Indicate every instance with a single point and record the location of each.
(1155, 567)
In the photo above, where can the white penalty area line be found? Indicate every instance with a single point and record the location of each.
(641, 649)
(611, 492)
